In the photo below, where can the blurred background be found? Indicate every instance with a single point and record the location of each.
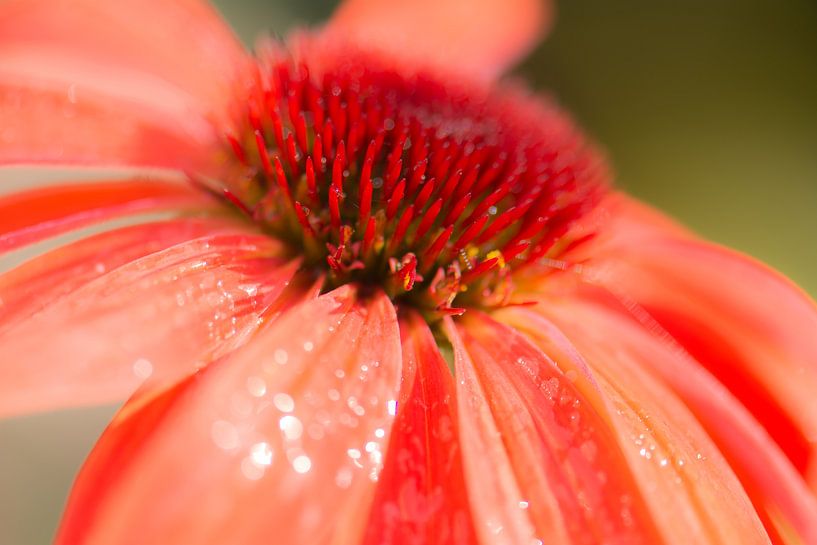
(706, 109)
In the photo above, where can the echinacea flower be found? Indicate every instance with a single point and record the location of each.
(361, 292)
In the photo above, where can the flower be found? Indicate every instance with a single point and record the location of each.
(367, 294)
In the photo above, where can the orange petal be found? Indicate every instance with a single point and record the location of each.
(158, 316)
(750, 327)
(29, 216)
(131, 82)
(38, 282)
(421, 496)
(479, 38)
(58, 124)
(282, 440)
(573, 478)
(691, 491)
(778, 492)
(493, 488)
(182, 42)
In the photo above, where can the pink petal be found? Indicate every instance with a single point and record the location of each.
(29, 216)
(572, 484)
(778, 492)
(280, 441)
(421, 495)
(691, 491)
(750, 327)
(61, 123)
(183, 42)
(159, 316)
(130, 82)
(479, 38)
(38, 282)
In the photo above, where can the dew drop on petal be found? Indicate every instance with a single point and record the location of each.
(261, 454)
(224, 435)
(142, 368)
(256, 386)
(283, 402)
(291, 427)
(302, 464)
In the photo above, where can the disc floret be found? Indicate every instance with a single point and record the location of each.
(432, 191)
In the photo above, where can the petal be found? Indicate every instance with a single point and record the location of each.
(692, 493)
(29, 216)
(38, 282)
(489, 475)
(479, 38)
(64, 123)
(750, 327)
(280, 439)
(159, 316)
(421, 496)
(778, 492)
(573, 479)
(183, 42)
(95, 82)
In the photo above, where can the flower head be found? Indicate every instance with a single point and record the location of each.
(373, 296)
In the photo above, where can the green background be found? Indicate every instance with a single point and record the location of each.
(707, 109)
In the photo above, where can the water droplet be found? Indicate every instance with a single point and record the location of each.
(261, 454)
(256, 386)
(224, 435)
(280, 355)
(291, 427)
(283, 403)
(302, 464)
(72, 93)
(142, 368)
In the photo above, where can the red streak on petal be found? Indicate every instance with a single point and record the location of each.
(301, 211)
(365, 195)
(436, 247)
(237, 149)
(311, 184)
(334, 207)
(292, 155)
(455, 212)
(421, 495)
(402, 227)
(425, 193)
(237, 202)
(281, 179)
(317, 153)
(261, 145)
(428, 220)
(470, 233)
(479, 270)
(368, 237)
(396, 199)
